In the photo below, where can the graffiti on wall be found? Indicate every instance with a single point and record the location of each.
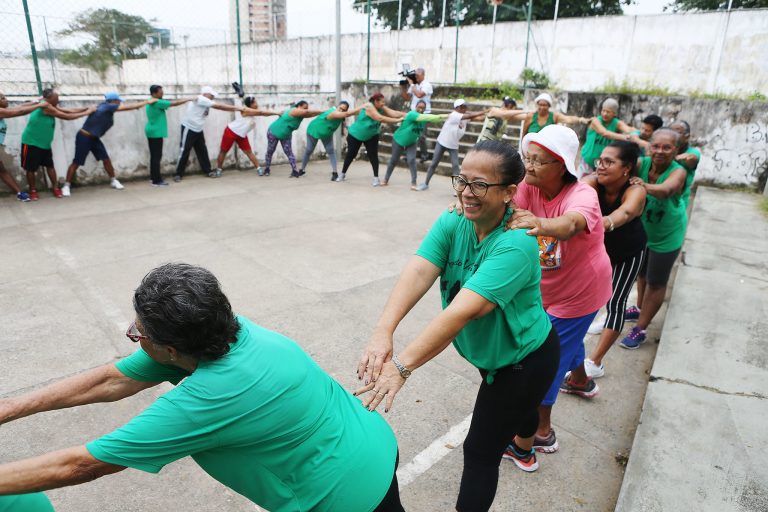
(737, 154)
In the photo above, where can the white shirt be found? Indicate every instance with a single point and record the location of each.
(453, 130)
(242, 125)
(426, 88)
(197, 111)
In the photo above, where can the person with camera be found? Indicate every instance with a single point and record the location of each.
(418, 89)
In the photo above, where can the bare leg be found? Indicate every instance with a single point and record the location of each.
(652, 300)
(71, 170)
(640, 291)
(8, 179)
(578, 375)
(52, 176)
(545, 421)
(252, 158)
(220, 159)
(108, 167)
(607, 339)
(526, 443)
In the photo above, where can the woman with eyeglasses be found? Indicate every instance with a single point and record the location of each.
(251, 408)
(564, 216)
(621, 204)
(492, 313)
(664, 219)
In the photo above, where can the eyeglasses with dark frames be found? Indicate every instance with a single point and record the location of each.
(133, 333)
(478, 188)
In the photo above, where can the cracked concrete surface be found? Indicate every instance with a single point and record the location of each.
(701, 444)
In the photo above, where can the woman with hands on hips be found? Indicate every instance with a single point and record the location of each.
(492, 312)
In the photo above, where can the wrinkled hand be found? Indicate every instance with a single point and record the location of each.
(90, 110)
(636, 180)
(523, 219)
(456, 206)
(387, 385)
(377, 352)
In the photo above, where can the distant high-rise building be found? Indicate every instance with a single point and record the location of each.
(260, 20)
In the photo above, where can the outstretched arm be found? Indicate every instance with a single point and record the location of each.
(393, 113)
(21, 110)
(305, 112)
(349, 113)
(256, 112)
(597, 126)
(228, 108)
(474, 115)
(135, 106)
(509, 115)
(672, 185)
(67, 115)
(562, 118)
(374, 114)
(70, 466)
(176, 103)
(101, 384)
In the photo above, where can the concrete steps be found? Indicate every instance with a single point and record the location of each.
(443, 106)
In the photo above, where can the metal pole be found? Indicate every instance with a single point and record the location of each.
(337, 135)
(32, 48)
(442, 23)
(493, 35)
(50, 52)
(528, 35)
(456, 53)
(239, 50)
(554, 34)
(175, 65)
(186, 56)
(399, 13)
(368, 72)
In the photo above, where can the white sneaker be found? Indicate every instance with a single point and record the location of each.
(596, 327)
(65, 190)
(342, 177)
(593, 370)
(375, 182)
(116, 184)
(422, 187)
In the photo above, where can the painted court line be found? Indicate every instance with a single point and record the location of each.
(432, 454)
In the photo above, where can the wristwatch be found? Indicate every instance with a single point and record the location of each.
(404, 372)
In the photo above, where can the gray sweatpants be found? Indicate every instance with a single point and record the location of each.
(439, 149)
(311, 143)
(410, 155)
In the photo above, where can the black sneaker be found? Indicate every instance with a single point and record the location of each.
(334, 176)
(589, 389)
(177, 178)
(294, 174)
(266, 172)
(301, 173)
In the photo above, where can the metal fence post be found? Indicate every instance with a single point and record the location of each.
(239, 46)
(368, 72)
(32, 48)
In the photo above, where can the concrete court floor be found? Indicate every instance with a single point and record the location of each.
(312, 259)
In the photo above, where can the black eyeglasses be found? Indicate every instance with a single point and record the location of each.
(478, 188)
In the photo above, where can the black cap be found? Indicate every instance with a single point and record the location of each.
(509, 100)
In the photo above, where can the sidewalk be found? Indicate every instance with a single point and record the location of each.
(702, 442)
(312, 259)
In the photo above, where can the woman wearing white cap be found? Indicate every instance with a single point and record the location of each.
(602, 130)
(449, 138)
(564, 215)
(543, 116)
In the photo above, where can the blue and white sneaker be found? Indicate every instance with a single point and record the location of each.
(632, 314)
(634, 339)
(23, 197)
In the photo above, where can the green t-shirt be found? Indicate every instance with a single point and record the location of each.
(284, 126)
(664, 220)
(264, 420)
(35, 502)
(535, 127)
(365, 128)
(39, 129)
(321, 127)
(413, 126)
(595, 143)
(690, 174)
(503, 268)
(157, 124)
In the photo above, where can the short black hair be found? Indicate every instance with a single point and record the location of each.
(655, 121)
(154, 88)
(47, 93)
(344, 102)
(629, 152)
(300, 103)
(684, 124)
(509, 100)
(510, 168)
(182, 306)
(248, 101)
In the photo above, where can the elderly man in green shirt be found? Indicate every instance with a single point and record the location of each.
(156, 130)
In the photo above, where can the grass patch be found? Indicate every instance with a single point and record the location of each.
(764, 206)
(626, 87)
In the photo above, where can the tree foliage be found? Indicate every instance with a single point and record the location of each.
(714, 5)
(429, 13)
(114, 36)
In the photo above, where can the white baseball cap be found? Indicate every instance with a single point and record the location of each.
(207, 89)
(559, 141)
(458, 103)
(543, 97)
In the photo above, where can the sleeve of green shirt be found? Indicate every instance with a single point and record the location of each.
(163, 104)
(436, 245)
(139, 366)
(501, 275)
(158, 436)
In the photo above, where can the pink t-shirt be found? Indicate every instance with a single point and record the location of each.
(575, 273)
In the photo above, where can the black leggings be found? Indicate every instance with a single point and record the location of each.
(391, 501)
(155, 155)
(371, 147)
(506, 408)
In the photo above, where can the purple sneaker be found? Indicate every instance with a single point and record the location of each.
(631, 314)
(634, 339)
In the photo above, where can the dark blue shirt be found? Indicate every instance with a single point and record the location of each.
(100, 121)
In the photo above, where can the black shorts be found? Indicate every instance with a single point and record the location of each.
(84, 145)
(33, 157)
(657, 266)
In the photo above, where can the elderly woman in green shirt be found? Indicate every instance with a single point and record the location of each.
(492, 313)
(601, 131)
(407, 136)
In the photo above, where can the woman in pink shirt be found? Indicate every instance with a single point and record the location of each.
(564, 215)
